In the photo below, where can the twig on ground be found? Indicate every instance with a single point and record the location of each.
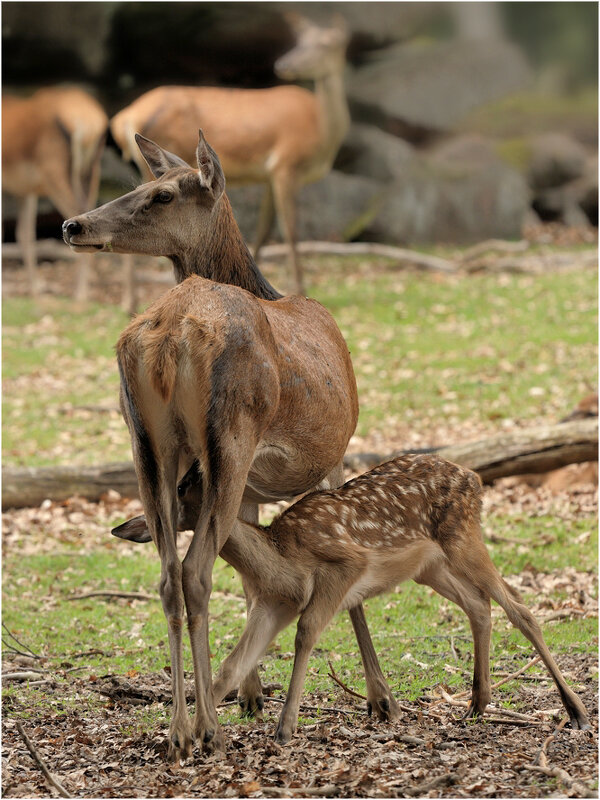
(332, 674)
(29, 652)
(540, 757)
(427, 786)
(37, 758)
(31, 675)
(329, 790)
(126, 595)
(505, 712)
(323, 710)
(568, 782)
(505, 679)
(90, 653)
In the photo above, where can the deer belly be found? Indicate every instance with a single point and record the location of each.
(389, 566)
(280, 473)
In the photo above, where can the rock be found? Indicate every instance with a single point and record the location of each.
(432, 86)
(556, 158)
(462, 192)
(370, 151)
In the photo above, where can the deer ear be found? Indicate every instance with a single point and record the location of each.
(134, 530)
(209, 168)
(159, 160)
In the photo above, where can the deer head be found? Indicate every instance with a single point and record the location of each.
(318, 51)
(159, 218)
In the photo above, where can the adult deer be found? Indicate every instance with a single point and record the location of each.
(52, 143)
(416, 517)
(283, 137)
(258, 389)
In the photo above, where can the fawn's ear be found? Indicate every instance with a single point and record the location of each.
(209, 168)
(134, 530)
(159, 160)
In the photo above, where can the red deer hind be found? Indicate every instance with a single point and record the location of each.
(283, 137)
(225, 378)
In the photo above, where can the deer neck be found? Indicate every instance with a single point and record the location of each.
(222, 256)
(249, 550)
(333, 106)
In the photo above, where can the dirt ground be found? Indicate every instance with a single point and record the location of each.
(428, 752)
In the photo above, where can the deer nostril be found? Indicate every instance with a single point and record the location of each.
(72, 228)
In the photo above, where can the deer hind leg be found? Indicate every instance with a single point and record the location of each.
(158, 499)
(284, 190)
(129, 289)
(250, 694)
(217, 517)
(476, 604)
(520, 616)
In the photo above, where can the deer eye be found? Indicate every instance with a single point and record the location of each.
(163, 197)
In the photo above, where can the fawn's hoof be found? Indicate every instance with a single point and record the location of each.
(181, 745)
(283, 735)
(252, 706)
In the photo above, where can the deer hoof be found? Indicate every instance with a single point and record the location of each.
(252, 706)
(385, 708)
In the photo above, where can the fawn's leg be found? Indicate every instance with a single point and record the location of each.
(522, 618)
(328, 593)
(250, 693)
(476, 604)
(379, 695)
(265, 620)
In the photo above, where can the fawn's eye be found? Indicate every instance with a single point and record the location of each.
(163, 197)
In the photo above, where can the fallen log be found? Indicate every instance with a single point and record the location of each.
(518, 452)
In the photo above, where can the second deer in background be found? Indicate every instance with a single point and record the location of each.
(52, 143)
(283, 137)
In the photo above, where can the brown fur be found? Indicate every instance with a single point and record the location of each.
(416, 517)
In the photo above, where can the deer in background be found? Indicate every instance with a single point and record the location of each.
(416, 517)
(225, 378)
(52, 143)
(283, 137)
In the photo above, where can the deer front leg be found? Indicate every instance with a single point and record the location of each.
(266, 217)
(26, 236)
(379, 696)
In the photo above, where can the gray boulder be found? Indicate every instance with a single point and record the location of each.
(433, 85)
(369, 151)
(460, 193)
(556, 158)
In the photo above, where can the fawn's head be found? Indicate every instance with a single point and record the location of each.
(158, 218)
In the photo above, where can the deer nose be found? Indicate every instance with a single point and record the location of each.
(71, 228)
